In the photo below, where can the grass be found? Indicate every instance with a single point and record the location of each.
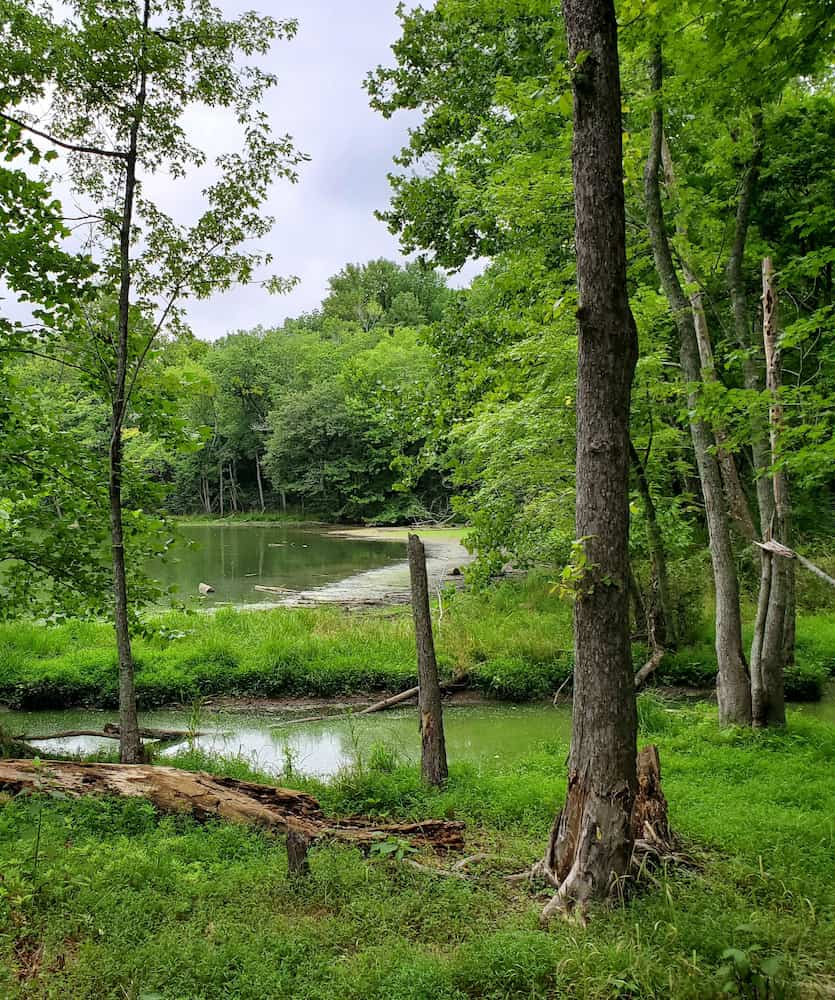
(513, 642)
(125, 903)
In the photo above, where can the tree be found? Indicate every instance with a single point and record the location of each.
(128, 76)
(591, 841)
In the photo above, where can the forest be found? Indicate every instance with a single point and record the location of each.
(470, 633)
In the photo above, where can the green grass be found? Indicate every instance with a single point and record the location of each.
(513, 642)
(125, 903)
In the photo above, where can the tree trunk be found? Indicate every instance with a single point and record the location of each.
(769, 708)
(591, 841)
(220, 488)
(733, 686)
(259, 481)
(433, 747)
(661, 627)
(130, 745)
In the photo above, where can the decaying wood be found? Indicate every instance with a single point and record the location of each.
(783, 550)
(112, 732)
(649, 668)
(433, 760)
(378, 706)
(205, 796)
(273, 590)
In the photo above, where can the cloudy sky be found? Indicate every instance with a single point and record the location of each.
(327, 219)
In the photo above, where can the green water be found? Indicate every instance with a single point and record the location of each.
(268, 740)
(234, 558)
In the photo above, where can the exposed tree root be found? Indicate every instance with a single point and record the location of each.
(204, 796)
(652, 843)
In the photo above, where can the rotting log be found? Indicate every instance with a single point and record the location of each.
(112, 732)
(286, 811)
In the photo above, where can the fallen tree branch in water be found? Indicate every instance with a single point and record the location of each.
(378, 706)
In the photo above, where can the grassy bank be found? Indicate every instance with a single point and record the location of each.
(106, 899)
(513, 642)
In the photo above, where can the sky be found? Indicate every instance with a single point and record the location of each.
(327, 219)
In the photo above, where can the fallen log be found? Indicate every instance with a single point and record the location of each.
(272, 590)
(378, 706)
(205, 796)
(112, 732)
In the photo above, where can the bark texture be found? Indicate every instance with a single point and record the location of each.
(433, 760)
(205, 796)
(130, 745)
(769, 645)
(591, 841)
(732, 683)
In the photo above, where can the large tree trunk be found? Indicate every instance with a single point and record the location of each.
(591, 843)
(205, 796)
(733, 686)
(433, 760)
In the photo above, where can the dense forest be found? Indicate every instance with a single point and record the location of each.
(621, 432)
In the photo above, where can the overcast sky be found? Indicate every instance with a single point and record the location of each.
(327, 219)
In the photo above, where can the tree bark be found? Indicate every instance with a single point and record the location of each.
(130, 745)
(591, 840)
(733, 686)
(767, 693)
(433, 746)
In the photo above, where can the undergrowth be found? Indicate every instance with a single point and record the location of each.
(125, 903)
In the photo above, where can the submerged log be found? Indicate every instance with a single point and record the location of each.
(205, 796)
(205, 588)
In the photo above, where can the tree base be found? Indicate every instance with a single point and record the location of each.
(595, 849)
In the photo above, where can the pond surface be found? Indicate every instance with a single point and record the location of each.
(268, 740)
(235, 558)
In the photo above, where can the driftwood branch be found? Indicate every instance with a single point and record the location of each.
(378, 706)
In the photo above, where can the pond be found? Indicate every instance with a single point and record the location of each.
(235, 558)
(269, 740)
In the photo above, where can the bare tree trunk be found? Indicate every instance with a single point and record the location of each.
(433, 746)
(769, 707)
(661, 626)
(130, 744)
(738, 506)
(259, 481)
(732, 685)
(220, 488)
(590, 845)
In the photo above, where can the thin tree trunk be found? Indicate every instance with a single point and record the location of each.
(661, 626)
(260, 483)
(130, 744)
(590, 845)
(220, 488)
(733, 686)
(433, 747)
(769, 707)
(738, 506)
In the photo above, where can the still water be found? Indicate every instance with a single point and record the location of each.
(235, 558)
(269, 740)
